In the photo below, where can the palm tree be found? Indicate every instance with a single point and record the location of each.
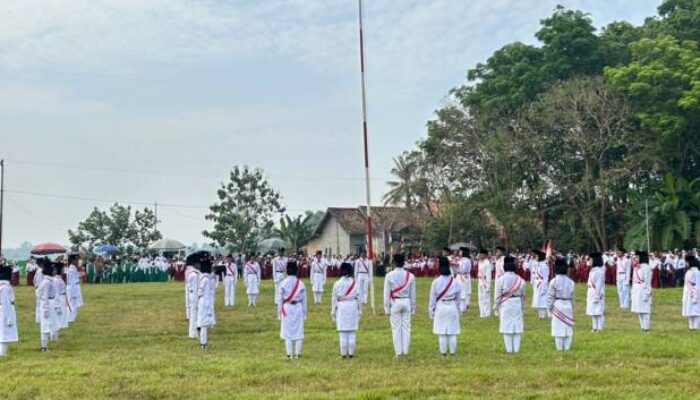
(296, 231)
(403, 189)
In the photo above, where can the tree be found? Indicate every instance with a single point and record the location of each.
(117, 227)
(296, 231)
(243, 215)
(403, 189)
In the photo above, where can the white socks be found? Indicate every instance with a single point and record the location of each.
(347, 343)
(44, 340)
(694, 323)
(542, 312)
(288, 344)
(3, 349)
(645, 321)
(563, 343)
(252, 300)
(203, 335)
(598, 322)
(445, 341)
(317, 297)
(512, 342)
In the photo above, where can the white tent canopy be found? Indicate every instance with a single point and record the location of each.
(166, 245)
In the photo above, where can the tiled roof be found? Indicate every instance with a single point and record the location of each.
(395, 219)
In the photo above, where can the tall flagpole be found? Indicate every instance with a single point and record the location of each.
(2, 199)
(370, 244)
(646, 207)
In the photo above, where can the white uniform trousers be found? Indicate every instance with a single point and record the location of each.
(363, 281)
(623, 294)
(400, 318)
(484, 302)
(229, 291)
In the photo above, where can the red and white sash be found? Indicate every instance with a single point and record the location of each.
(290, 297)
(229, 269)
(565, 319)
(510, 292)
(401, 287)
(445, 290)
(250, 270)
(348, 292)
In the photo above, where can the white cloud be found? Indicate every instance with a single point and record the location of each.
(19, 101)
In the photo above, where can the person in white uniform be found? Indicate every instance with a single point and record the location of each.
(38, 277)
(206, 291)
(47, 296)
(443, 307)
(191, 281)
(61, 301)
(498, 266)
(346, 309)
(292, 311)
(400, 303)
(485, 271)
(318, 276)
(691, 293)
(465, 280)
(72, 284)
(623, 271)
(510, 291)
(641, 291)
(595, 295)
(251, 274)
(230, 280)
(362, 266)
(279, 268)
(560, 304)
(540, 281)
(8, 315)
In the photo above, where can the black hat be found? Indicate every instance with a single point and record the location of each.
(483, 251)
(58, 268)
(282, 250)
(509, 264)
(560, 266)
(465, 251)
(444, 266)
(5, 272)
(694, 263)
(447, 249)
(690, 258)
(643, 257)
(597, 259)
(345, 269)
(319, 253)
(540, 255)
(292, 268)
(205, 265)
(398, 259)
(501, 248)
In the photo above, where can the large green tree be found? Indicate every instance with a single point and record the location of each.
(120, 226)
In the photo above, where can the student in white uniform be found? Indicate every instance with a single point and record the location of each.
(498, 266)
(400, 303)
(72, 284)
(318, 276)
(279, 268)
(346, 309)
(691, 293)
(61, 302)
(230, 279)
(540, 282)
(251, 277)
(484, 285)
(443, 308)
(560, 302)
(510, 295)
(362, 266)
(623, 271)
(8, 316)
(292, 310)
(595, 295)
(465, 280)
(191, 281)
(38, 277)
(47, 296)
(641, 291)
(206, 291)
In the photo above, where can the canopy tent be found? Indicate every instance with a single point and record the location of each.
(166, 245)
(105, 249)
(48, 248)
(272, 244)
(456, 246)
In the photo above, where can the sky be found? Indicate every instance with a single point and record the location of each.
(154, 101)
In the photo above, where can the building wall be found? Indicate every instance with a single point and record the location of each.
(333, 240)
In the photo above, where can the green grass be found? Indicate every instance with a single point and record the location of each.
(130, 341)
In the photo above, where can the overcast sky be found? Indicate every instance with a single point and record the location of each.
(145, 101)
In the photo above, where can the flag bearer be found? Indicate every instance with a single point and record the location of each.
(400, 303)
(510, 295)
(292, 311)
(346, 309)
(560, 302)
(443, 308)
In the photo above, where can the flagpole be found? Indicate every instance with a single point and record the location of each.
(646, 207)
(370, 244)
(2, 200)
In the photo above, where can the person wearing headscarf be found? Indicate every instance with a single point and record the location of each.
(485, 270)
(400, 303)
(443, 308)
(346, 309)
(465, 280)
(206, 291)
(641, 291)
(595, 295)
(292, 310)
(510, 295)
(560, 304)
(691, 293)
(251, 278)
(540, 281)
(8, 316)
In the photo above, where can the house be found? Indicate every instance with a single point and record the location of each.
(343, 231)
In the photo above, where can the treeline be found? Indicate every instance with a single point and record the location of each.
(569, 140)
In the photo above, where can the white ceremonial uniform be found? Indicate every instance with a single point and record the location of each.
(206, 292)
(279, 273)
(8, 317)
(465, 283)
(73, 281)
(61, 303)
(498, 272)
(510, 295)
(560, 304)
(691, 298)
(444, 310)
(191, 281)
(230, 279)
(47, 296)
(362, 266)
(623, 270)
(292, 310)
(641, 295)
(38, 278)
(400, 304)
(251, 272)
(346, 309)
(318, 278)
(484, 286)
(595, 297)
(539, 288)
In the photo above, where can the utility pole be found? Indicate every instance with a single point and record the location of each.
(2, 198)
(155, 224)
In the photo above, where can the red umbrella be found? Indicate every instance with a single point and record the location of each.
(48, 248)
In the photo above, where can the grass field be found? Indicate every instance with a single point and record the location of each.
(130, 342)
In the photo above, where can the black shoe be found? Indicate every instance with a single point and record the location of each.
(289, 357)
(43, 349)
(343, 357)
(443, 354)
(350, 356)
